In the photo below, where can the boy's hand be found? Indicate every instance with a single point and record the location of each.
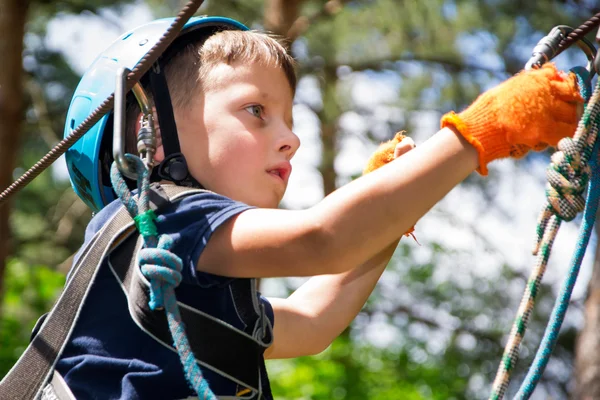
(531, 110)
(388, 151)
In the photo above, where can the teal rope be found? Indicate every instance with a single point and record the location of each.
(162, 268)
(583, 81)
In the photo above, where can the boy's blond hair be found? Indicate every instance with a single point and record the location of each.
(188, 68)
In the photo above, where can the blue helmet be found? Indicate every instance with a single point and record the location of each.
(89, 159)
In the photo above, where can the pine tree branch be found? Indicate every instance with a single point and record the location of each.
(389, 62)
(301, 24)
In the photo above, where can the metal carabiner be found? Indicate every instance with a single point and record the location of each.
(547, 48)
(146, 135)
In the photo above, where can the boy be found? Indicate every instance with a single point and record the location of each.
(231, 93)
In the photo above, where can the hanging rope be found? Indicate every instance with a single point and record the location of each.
(568, 175)
(161, 267)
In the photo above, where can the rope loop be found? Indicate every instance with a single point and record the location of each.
(567, 176)
(161, 267)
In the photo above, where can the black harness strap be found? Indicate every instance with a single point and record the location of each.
(166, 119)
(174, 166)
(244, 294)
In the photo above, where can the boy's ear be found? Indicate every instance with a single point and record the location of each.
(159, 156)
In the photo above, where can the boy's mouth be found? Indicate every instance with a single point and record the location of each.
(282, 171)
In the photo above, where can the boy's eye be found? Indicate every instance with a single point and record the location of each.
(256, 110)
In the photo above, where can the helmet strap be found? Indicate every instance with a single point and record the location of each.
(174, 167)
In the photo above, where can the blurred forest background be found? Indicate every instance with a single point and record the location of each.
(437, 322)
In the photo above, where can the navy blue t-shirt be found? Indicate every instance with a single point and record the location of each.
(108, 356)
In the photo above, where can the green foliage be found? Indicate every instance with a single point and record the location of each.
(249, 12)
(353, 371)
(442, 333)
(31, 290)
(350, 371)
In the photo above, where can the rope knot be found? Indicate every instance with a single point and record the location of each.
(162, 268)
(568, 175)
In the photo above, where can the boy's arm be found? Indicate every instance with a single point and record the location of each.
(315, 314)
(348, 227)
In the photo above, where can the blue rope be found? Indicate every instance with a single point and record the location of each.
(162, 268)
(562, 301)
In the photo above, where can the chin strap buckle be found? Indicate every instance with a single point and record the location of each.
(174, 168)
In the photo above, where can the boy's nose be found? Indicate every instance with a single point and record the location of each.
(289, 144)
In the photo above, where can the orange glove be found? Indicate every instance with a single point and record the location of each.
(385, 153)
(531, 110)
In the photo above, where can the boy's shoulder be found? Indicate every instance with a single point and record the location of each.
(196, 205)
(190, 222)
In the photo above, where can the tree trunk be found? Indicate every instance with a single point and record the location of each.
(329, 149)
(329, 117)
(587, 355)
(13, 14)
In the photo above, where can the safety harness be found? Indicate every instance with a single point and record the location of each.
(237, 354)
